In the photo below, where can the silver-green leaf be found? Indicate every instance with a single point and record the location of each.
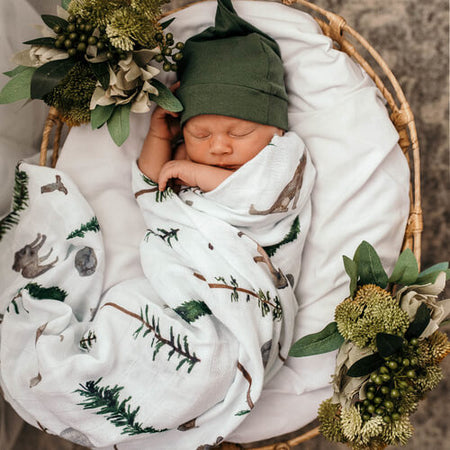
(165, 98)
(324, 341)
(100, 115)
(14, 72)
(370, 269)
(18, 88)
(352, 272)
(429, 275)
(119, 124)
(406, 269)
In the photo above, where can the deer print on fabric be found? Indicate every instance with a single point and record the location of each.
(57, 186)
(28, 261)
(290, 193)
(279, 280)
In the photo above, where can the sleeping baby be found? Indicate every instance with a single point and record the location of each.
(256, 176)
(176, 358)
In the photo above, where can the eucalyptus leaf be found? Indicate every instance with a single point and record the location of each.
(166, 99)
(46, 77)
(47, 41)
(17, 70)
(119, 124)
(429, 275)
(388, 344)
(420, 322)
(352, 271)
(65, 4)
(100, 115)
(365, 365)
(18, 88)
(439, 267)
(324, 341)
(165, 24)
(370, 269)
(406, 269)
(52, 21)
(101, 72)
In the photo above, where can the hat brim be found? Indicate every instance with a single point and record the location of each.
(234, 101)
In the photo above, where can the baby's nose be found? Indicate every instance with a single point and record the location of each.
(220, 145)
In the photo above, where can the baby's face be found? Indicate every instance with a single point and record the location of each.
(225, 141)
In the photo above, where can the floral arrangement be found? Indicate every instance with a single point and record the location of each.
(93, 63)
(390, 347)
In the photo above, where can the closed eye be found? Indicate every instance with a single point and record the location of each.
(198, 134)
(240, 134)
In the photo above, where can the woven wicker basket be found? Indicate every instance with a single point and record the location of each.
(349, 41)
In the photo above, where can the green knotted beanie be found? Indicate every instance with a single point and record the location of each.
(233, 69)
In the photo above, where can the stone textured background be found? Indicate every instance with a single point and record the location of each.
(413, 38)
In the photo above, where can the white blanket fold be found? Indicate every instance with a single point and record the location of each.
(175, 359)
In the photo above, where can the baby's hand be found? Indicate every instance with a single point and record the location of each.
(165, 124)
(183, 170)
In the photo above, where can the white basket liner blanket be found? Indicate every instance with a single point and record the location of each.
(361, 192)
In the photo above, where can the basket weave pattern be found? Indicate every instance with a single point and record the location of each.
(352, 43)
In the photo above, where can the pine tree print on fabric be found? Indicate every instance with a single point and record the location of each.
(290, 237)
(14, 305)
(87, 341)
(20, 201)
(181, 349)
(265, 301)
(39, 293)
(178, 345)
(117, 411)
(191, 310)
(51, 293)
(165, 235)
(160, 196)
(92, 225)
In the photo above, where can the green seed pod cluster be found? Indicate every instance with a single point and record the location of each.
(79, 34)
(397, 386)
(75, 37)
(171, 53)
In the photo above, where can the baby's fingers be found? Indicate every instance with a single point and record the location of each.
(175, 86)
(166, 173)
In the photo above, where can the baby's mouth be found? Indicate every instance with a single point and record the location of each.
(228, 166)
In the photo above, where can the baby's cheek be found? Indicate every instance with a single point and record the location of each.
(195, 153)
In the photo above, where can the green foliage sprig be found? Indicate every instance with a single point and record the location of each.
(20, 201)
(178, 345)
(389, 346)
(192, 310)
(92, 225)
(90, 48)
